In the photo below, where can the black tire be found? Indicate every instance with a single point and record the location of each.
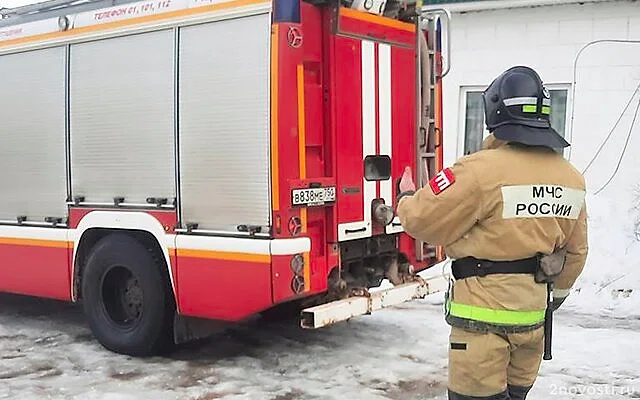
(125, 298)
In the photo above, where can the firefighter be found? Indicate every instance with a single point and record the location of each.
(499, 213)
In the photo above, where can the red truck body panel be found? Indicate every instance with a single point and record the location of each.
(343, 88)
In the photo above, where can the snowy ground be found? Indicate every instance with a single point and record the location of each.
(46, 352)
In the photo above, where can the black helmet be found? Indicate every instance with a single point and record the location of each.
(517, 108)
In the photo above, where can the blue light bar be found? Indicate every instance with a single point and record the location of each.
(286, 11)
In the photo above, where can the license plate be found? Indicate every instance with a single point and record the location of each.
(313, 196)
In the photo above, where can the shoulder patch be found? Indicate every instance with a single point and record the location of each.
(442, 181)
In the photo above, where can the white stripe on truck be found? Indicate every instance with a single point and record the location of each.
(384, 88)
(362, 229)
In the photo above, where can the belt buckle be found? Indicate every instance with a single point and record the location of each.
(483, 268)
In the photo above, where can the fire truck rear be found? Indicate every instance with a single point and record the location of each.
(172, 162)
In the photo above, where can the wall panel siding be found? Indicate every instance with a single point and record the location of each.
(224, 123)
(122, 118)
(32, 135)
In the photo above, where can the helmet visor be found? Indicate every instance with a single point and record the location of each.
(530, 136)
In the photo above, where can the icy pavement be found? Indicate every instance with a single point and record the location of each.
(46, 352)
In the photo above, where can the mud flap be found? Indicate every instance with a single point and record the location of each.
(188, 329)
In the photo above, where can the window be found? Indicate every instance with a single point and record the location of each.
(475, 129)
(377, 168)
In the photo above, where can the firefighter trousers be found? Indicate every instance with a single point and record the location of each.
(492, 366)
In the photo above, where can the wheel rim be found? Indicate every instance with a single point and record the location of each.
(122, 297)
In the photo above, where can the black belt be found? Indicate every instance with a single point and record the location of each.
(471, 266)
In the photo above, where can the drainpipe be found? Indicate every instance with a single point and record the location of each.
(502, 4)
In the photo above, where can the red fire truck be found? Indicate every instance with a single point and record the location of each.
(171, 162)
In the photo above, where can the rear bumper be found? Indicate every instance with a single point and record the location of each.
(342, 310)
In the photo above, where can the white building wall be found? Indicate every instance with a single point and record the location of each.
(548, 39)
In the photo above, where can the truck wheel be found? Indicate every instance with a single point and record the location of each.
(125, 297)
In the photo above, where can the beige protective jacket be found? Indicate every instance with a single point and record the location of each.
(505, 202)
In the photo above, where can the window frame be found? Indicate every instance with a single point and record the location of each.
(462, 112)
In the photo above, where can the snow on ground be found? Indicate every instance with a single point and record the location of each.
(47, 352)
(610, 282)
